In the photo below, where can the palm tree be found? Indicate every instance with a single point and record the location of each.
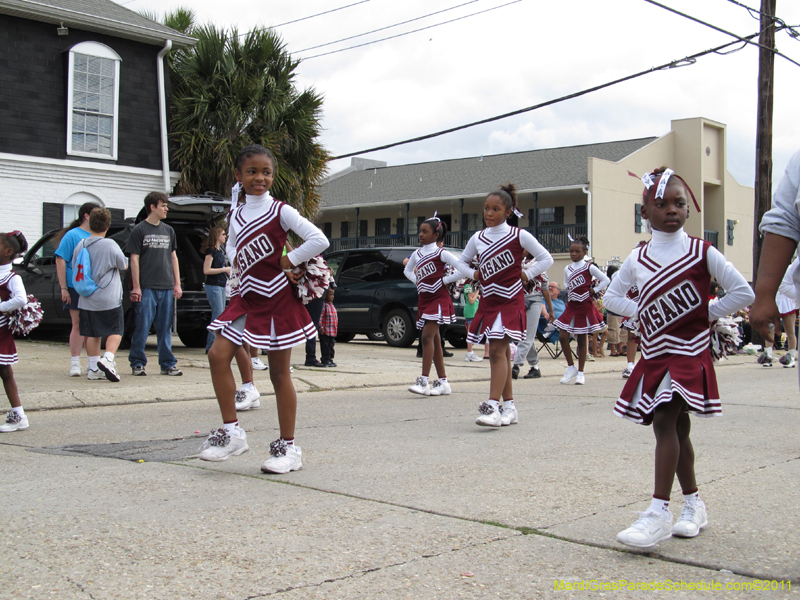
(230, 91)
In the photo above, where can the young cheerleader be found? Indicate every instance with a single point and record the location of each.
(425, 267)
(266, 313)
(580, 317)
(501, 314)
(675, 374)
(12, 297)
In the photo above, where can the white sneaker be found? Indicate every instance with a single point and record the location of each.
(580, 378)
(420, 387)
(14, 422)
(220, 445)
(108, 367)
(764, 359)
(509, 416)
(647, 531)
(693, 518)
(93, 374)
(626, 372)
(75, 370)
(570, 374)
(472, 357)
(440, 388)
(285, 458)
(788, 361)
(490, 416)
(247, 399)
(258, 365)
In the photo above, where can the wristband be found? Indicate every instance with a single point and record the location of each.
(63, 288)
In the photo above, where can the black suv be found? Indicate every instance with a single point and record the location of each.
(373, 296)
(190, 216)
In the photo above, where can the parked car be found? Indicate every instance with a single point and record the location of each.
(190, 216)
(373, 296)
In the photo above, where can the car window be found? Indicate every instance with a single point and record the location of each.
(45, 254)
(334, 262)
(394, 265)
(366, 266)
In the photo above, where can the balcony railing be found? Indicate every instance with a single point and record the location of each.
(553, 237)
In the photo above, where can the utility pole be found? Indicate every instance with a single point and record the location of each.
(766, 69)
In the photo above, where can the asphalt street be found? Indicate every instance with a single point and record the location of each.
(401, 496)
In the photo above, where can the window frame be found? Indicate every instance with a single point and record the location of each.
(98, 50)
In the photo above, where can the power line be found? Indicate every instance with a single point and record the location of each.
(757, 14)
(689, 60)
(302, 18)
(387, 27)
(714, 27)
(410, 32)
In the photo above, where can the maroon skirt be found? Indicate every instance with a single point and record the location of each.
(436, 307)
(513, 320)
(578, 318)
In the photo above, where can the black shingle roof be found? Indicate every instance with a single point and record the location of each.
(531, 170)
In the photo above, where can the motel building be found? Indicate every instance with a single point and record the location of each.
(563, 192)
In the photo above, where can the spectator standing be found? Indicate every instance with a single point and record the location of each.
(77, 231)
(100, 314)
(328, 327)
(216, 272)
(471, 300)
(155, 281)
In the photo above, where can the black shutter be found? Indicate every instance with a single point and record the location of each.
(559, 215)
(52, 216)
(117, 214)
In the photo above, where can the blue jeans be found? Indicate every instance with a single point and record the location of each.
(216, 298)
(156, 305)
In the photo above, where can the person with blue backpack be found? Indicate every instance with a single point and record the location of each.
(96, 264)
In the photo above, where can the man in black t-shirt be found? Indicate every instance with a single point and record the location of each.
(155, 281)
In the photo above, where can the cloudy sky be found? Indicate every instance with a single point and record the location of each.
(518, 55)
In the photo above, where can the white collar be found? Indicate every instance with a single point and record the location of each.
(5, 268)
(662, 237)
(428, 248)
(502, 228)
(256, 199)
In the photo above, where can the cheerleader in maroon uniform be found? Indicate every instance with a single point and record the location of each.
(501, 314)
(579, 319)
(12, 297)
(425, 268)
(675, 375)
(266, 313)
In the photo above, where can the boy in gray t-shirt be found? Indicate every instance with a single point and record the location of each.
(101, 312)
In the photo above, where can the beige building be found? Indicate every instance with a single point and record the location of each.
(572, 191)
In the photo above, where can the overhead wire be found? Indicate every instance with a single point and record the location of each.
(714, 27)
(301, 18)
(391, 37)
(757, 14)
(388, 26)
(689, 60)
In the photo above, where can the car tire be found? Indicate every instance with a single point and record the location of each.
(343, 338)
(194, 338)
(399, 329)
(376, 337)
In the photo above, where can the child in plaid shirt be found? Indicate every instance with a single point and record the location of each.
(328, 326)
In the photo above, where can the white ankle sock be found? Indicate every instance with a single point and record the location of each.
(443, 379)
(793, 353)
(630, 366)
(108, 356)
(768, 350)
(234, 429)
(692, 498)
(76, 360)
(508, 403)
(248, 386)
(18, 410)
(495, 404)
(424, 380)
(93, 363)
(660, 507)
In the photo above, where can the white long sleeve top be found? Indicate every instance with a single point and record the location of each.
(314, 241)
(475, 246)
(16, 287)
(787, 287)
(448, 258)
(602, 278)
(666, 248)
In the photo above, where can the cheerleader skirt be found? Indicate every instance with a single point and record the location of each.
(578, 318)
(786, 305)
(655, 380)
(435, 307)
(631, 326)
(497, 318)
(275, 323)
(8, 348)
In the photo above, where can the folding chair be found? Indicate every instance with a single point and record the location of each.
(549, 340)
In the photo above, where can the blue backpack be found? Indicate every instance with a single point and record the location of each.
(82, 272)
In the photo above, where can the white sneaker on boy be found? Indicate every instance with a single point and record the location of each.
(647, 531)
(93, 374)
(420, 387)
(472, 357)
(220, 445)
(109, 367)
(440, 388)
(570, 374)
(258, 364)
(284, 458)
(247, 399)
(490, 415)
(693, 518)
(75, 370)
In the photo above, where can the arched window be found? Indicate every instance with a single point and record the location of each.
(93, 100)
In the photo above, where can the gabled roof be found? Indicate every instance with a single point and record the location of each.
(529, 171)
(100, 16)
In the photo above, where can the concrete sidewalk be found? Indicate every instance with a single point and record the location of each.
(401, 496)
